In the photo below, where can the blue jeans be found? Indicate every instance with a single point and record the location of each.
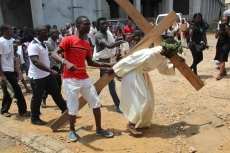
(112, 86)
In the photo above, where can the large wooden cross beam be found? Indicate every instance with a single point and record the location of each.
(152, 36)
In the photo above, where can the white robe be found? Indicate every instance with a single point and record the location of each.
(137, 96)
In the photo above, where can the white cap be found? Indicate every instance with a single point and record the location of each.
(227, 12)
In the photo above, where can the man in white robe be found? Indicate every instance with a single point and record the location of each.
(137, 96)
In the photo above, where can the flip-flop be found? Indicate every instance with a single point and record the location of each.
(224, 73)
(133, 130)
(219, 77)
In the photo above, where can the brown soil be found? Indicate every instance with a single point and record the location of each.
(175, 99)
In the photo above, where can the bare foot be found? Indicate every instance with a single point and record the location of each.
(132, 129)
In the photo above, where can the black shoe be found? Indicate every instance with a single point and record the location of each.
(118, 110)
(119, 78)
(38, 122)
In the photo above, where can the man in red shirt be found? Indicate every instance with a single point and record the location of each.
(128, 29)
(75, 78)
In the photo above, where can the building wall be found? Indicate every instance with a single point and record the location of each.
(227, 6)
(210, 9)
(60, 12)
(16, 13)
(105, 11)
(57, 12)
(167, 6)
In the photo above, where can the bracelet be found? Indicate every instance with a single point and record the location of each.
(62, 62)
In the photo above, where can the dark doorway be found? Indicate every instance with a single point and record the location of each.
(17, 13)
(150, 8)
(181, 6)
(114, 11)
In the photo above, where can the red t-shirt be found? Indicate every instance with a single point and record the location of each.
(128, 29)
(75, 51)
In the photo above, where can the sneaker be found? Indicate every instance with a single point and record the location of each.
(6, 114)
(72, 135)
(105, 133)
(43, 104)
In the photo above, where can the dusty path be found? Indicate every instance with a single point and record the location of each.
(175, 99)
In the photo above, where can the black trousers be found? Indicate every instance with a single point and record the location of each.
(6, 101)
(112, 86)
(59, 81)
(197, 57)
(49, 84)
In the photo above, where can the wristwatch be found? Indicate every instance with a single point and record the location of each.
(62, 62)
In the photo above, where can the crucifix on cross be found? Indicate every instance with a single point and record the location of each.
(152, 35)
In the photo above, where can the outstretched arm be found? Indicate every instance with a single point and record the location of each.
(105, 43)
(97, 64)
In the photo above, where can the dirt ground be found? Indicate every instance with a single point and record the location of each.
(175, 99)
(10, 145)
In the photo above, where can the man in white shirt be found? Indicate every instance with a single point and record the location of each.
(7, 73)
(105, 46)
(73, 29)
(42, 77)
(92, 33)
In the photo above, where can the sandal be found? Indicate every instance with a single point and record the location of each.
(26, 114)
(219, 77)
(132, 129)
(224, 73)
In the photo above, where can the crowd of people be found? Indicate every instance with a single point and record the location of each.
(44, 53)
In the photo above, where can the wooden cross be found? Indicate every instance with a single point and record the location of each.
(152, 36)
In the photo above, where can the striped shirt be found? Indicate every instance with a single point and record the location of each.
(75, 51)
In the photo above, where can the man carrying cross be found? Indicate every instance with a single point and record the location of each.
(137, 96)
(152, 36)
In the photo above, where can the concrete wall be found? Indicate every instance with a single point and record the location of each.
(227, 6)
(211, 9)
(16, 13)
(167, 6)
(59, 12)
(105, 10)
(1, 17)
(56, 12)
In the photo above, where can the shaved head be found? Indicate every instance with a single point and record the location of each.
(39, 28)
